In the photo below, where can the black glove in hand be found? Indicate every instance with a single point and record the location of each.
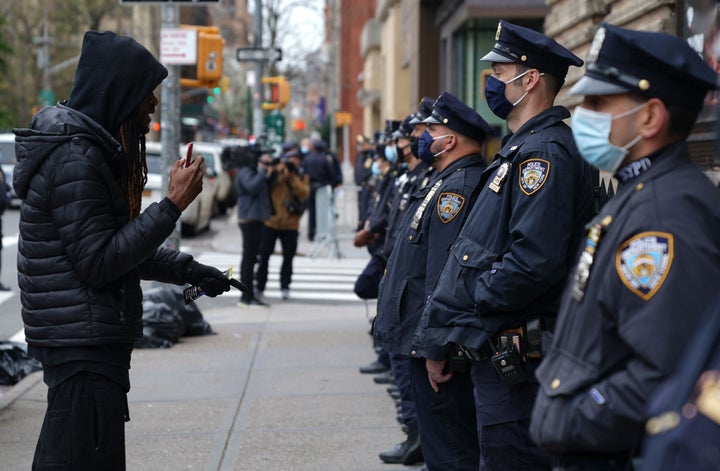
(211, 280)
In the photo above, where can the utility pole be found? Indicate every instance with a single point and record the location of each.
(257, 96)
(333, 99)
(170, 116)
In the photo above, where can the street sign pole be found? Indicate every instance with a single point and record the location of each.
(257, 98)
(170, 116)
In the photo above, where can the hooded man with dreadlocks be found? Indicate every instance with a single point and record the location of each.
(84, 247)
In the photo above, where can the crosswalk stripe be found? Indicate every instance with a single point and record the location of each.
(313, 278)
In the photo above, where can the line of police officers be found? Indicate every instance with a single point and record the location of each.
(526, 330)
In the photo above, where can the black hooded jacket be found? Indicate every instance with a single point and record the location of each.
(80, 258)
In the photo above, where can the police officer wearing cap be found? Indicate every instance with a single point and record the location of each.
(452, 143)
(500, 288)
(415, 175)
(362, 174)
(372, 234)
(650, 262)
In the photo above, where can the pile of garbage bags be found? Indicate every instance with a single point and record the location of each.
(15, 363)
(166, 318)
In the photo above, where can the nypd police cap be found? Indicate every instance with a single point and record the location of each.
(532, 49)
(647, 63)
(405, 128)
(424, 110)
(449, 111)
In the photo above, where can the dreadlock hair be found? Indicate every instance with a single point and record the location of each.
(132, 172)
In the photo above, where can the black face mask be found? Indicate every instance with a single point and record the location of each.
(380, 150)
(414, 145)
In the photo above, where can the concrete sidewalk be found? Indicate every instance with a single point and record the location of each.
(273, 390)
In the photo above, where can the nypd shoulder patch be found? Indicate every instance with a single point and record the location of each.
(533, 174)
(643, 262)
(449, 205)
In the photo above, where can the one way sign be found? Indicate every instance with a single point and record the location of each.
(259, 54)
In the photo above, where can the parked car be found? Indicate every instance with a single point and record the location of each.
(225, 196)
(7, 160)
(196, 217)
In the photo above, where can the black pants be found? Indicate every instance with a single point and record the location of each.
(504, 420)
(84, 426)
(251, 235)
(448, 427)
(312, 216)
(289, 243)
(400, 365)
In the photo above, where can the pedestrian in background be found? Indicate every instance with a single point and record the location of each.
(503, 279)
(650, 265)
(253, 209)
(290, 188)
(322, 169)
(84, 246)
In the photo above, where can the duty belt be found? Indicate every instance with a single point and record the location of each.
(531, 344)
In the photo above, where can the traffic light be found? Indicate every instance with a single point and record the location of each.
(209, 56)
(276, 92)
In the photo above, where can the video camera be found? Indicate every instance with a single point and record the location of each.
(235, 157)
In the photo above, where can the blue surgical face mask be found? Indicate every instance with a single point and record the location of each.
(391, 153)
(495, 96)
(375, 169)
(414, 146)
(591, 130)
(424, 152)
(304, 149)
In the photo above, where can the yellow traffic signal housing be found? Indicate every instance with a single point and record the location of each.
(276, 92)
(224, 83)
(209, 56)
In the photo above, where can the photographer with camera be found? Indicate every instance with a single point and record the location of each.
(253, 182)
(289, 189)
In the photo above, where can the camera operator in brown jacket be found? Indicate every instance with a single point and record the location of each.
(289, 189)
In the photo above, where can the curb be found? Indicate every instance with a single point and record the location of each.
(20, 388)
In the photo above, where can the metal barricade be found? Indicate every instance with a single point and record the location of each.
(335, 218)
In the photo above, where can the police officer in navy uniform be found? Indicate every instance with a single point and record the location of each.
(452, 144)
(372, 234)
(650, 262)
(362, 174)
(415, 176)
(502, 282)
(683, 431)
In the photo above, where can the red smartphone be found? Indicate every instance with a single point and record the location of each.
(188, 155)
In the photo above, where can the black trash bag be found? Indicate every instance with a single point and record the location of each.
(166, 318)
(15, 363)
(151, 339)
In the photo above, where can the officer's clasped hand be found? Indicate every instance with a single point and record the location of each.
(211, 280)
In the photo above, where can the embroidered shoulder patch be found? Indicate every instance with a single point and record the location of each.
(533, 175)
(449, 205)
(643, 262)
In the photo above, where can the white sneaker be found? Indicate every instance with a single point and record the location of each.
(285, 293)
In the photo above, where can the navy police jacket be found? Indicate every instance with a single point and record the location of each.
(518, 244)
(650, 270)
(431, 223)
